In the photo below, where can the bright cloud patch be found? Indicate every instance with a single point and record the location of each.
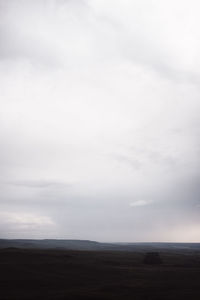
(139, 203)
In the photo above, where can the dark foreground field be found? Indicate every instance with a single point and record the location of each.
(67, 274)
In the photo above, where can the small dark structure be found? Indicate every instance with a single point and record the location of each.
(152, 258)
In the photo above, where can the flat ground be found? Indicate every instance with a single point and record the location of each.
(65, 274)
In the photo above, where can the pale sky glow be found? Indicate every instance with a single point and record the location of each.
(99, 119)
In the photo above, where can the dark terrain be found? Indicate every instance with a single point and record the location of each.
(31, 270)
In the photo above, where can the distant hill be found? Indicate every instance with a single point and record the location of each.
(94, 246)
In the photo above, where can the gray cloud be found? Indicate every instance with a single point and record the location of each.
(134, 163)
(99, 120)
(37, 183)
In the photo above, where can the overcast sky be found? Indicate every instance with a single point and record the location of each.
(99, 119)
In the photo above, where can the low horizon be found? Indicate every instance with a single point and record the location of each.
(100, 242)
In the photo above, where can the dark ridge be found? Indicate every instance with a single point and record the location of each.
(95, 246)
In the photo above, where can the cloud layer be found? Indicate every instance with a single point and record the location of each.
(99, 119)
